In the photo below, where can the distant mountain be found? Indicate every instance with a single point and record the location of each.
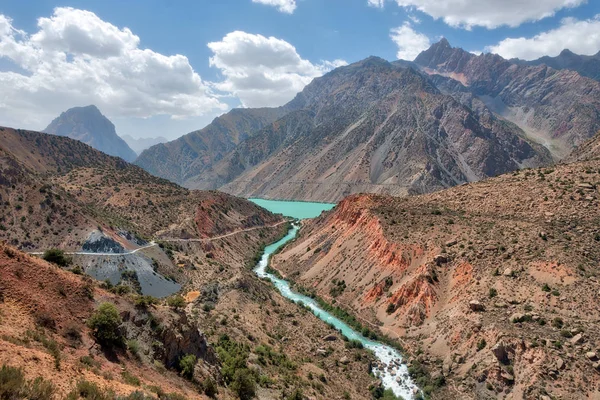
(88, 125)
(558, 108)
(141, 144)
(588, 66)
(190, 155)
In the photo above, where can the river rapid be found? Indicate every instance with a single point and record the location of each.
(392, 372)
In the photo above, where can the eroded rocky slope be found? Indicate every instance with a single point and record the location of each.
(493, 285)
(557, 108)
(374, 127)
(191, 155)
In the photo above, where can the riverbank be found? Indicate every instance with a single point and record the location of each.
(390, 369)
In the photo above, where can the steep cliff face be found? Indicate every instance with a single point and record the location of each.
(557, 108)
(88, 125)
(374, 127)
(192, 155)
(471, 279)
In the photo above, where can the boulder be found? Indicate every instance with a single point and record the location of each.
(517, 317)
(476, 306)
(577, 339)
(592, 356)
(560, 364)
(344, 360)
(501, 352)
(330, 338)
(451, 243)
(508, 272)
(440, 259)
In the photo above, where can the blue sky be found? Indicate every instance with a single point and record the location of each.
(324, 34)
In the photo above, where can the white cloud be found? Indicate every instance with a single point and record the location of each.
(410, 43)
(376, 3)
(75, 59)
(285, 6)
(263, 71)
(581, 37)
(487, 13)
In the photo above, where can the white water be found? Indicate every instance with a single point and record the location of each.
(399, 381)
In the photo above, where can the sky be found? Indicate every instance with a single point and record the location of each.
(166, 68)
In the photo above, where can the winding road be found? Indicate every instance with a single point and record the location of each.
(153, 243)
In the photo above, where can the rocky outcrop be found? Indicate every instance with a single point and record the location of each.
(88, 125)
(97, 242)
(180, 337)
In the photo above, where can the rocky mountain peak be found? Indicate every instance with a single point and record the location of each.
(567, 53)
(442, 53)
(88, 125)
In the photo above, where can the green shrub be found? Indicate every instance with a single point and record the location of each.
(145, 301)
(39, 389)
(481, 344)
(12, 381)
(244, 384)
(89, 391)
(493, 292)
(296, 395)
(557, 322)
(134, 347)
(130, 379)
(105, 324)
(187, 365)
(176, 301)
(546, 288)
(57, 257)
(210, 387)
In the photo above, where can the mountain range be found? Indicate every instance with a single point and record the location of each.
(588, 66)
(398, 128)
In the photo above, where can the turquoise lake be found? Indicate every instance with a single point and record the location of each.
(294, 209)
(391, 370)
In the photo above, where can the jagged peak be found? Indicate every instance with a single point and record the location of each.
(443, 42)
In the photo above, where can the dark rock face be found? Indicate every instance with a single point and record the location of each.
(180, 338)
(89, 126)
(99, 243)
(557, 108)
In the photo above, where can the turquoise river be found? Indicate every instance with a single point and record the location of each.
(392, 372)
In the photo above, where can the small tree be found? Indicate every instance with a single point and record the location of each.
(105, 324)
(57, 257)
(187, 365)
(244, 384)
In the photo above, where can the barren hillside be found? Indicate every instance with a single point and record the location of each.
(493, 285)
